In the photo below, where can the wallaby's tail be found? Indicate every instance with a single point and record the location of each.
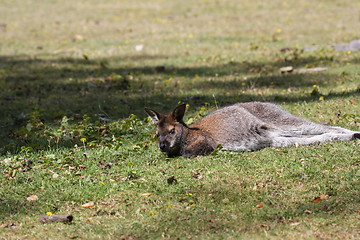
(305, 136)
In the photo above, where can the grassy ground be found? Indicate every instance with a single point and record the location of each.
(76, 76)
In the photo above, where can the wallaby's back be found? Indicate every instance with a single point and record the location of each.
(237, 127)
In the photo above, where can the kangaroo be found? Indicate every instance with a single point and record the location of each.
(239, 127)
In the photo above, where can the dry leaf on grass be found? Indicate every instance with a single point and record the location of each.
(286, 69)
(88, 205)
(32, 198)
(8, 225)
(324, 196)
(320, 198)
(145, 194)
(260, 205)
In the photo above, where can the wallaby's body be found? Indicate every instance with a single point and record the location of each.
(240, 127)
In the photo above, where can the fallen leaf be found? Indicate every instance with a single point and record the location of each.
(324, 196)
(145, 194)
(212, 223)
(286, 69)
(260, 205)
(139, 47)
(88, 205)
(78, 38)
(126, 237)
(307, 211)
(5, 224)
(317, 200)
(143, 179)
(32, 198)
(266, 227)
(8, 225)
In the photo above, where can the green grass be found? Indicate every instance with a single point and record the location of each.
(66, 66)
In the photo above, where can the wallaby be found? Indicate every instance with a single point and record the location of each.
(240, 127)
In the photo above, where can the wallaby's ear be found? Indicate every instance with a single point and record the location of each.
(178, 113)
(155, 116)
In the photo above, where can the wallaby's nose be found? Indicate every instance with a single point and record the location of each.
(162, 146)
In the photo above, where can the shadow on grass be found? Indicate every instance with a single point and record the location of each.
(12, 207)
(51, 88)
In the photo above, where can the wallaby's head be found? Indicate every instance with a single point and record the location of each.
(169, 129)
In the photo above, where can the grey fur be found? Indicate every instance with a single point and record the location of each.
(243, 127)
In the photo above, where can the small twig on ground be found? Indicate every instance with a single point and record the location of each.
(66, 218)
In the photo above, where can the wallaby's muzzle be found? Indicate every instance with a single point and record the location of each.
(162, 147)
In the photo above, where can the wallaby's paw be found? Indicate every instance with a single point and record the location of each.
(356, 135)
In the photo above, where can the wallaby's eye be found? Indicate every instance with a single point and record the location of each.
(172, 131)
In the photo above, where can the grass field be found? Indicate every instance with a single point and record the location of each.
(75, 77)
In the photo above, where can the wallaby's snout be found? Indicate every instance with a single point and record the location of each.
(163, 143)
(162, 146)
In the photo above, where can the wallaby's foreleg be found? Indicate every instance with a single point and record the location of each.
(198, 144)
